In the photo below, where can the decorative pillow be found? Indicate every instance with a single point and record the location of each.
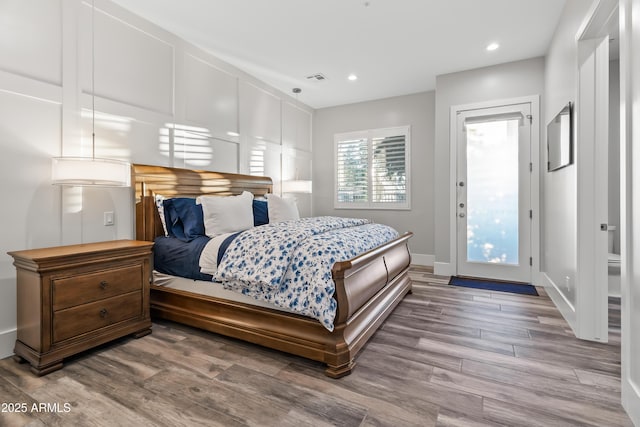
(184, 218)
(260, 212)
(281, 209)
(227, 214)
(160, 206)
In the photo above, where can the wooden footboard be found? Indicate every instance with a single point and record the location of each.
(368, 287)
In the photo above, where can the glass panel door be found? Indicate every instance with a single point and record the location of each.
(493, 193)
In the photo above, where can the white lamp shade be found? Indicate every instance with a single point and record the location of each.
(297, 186)
(88, 171)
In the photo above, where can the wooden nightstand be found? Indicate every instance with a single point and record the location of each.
(73, 298)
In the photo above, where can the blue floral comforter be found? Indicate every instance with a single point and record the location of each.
(289, 263)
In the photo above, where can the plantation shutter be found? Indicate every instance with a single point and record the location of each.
(352, 171)
(389, 172)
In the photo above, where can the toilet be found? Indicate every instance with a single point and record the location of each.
(613, 261)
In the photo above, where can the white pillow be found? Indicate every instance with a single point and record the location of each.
(160, 206)
(281, 209)
(226, 214)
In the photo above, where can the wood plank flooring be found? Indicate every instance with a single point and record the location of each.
(447, 356)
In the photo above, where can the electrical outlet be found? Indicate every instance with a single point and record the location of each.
(109, 219)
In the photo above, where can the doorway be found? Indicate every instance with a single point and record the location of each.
(493, 192)
(593, 132)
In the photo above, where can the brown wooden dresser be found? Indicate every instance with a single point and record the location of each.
(73, 298)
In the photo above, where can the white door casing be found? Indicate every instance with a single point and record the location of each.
(630, 209)
(592, 160)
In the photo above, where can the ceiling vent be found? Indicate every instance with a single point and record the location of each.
(318, 77)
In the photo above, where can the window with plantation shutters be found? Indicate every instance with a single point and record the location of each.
(372, 169)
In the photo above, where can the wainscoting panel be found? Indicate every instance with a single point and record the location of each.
(131, 65)
(259, 114)
(211, 98)
(263, 158)
(296, 127)
(29, 136)
(31, 34)
(209, 154)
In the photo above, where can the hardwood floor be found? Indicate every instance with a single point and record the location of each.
(447, 356)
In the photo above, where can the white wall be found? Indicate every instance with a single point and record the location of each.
(416, 111)
(560, 217)
(159, 100)
(510, 80)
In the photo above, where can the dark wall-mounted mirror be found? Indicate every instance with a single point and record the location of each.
(560, 139)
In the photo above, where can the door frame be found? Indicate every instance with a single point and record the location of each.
(534, 100)
(629, 211)
(592, 117)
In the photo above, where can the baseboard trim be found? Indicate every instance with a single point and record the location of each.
(443, 269)
(7, 341)
(631, 400)
(422, 260)
(561, 302)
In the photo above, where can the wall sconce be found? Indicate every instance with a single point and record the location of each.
(297, 186)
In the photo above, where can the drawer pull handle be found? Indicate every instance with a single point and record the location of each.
(103, 285)
(103, 313)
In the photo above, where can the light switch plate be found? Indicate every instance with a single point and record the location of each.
(109, 219)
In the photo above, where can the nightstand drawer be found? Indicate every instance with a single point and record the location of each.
(74, 321)
(81, 289)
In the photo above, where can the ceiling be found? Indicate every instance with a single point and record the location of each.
(395, 47)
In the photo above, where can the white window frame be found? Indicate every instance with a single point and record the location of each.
(369, 135)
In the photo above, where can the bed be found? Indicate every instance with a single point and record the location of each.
(367, 287)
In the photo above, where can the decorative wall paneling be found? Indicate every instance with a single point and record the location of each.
(296, 128)
(159, 100)
(132, 65)
(260, 117)
(296, 152)
(211, 98)
(30, 134)
(263, 158)
(31, 34)
(296, 166)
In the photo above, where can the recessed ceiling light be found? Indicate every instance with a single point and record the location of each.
(352, 77)
(492, 46)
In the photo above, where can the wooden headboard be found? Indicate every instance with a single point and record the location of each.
(150, 181)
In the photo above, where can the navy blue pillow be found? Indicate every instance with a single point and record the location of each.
(260, 212)
(184, 218)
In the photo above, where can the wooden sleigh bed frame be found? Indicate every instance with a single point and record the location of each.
(368, 287)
